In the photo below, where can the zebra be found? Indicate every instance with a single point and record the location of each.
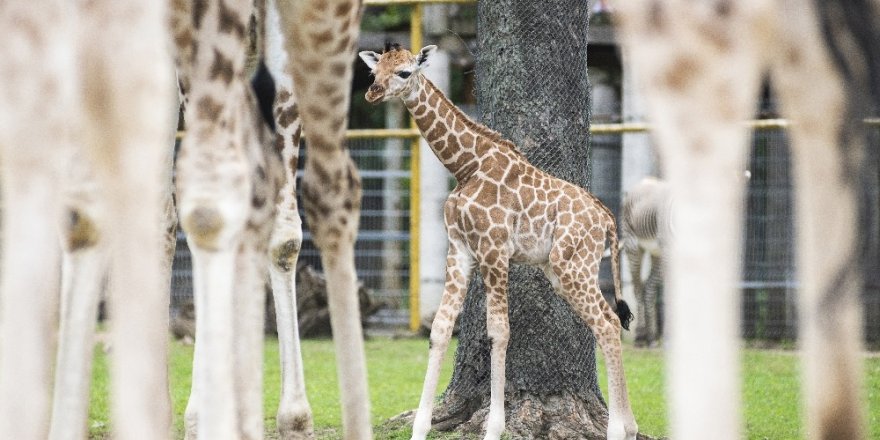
(646, 228)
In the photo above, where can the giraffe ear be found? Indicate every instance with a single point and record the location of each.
(424, 54)
(370, 58)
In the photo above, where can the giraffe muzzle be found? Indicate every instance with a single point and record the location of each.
(375, 93)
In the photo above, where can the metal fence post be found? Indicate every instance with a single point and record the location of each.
(415, 193)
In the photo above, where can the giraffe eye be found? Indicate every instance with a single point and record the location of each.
(404, 74)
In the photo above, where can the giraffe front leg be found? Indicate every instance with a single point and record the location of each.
(827, 151)
(331, 190)
(249, 318)
(213, 222)
(459, 266)
(211, 412)
(498, 328)
(84, 267)
(294, 417)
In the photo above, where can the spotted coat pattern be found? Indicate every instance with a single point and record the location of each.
(236, 186)
(504, 210)
(701, 65)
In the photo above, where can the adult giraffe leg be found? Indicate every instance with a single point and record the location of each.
(294, 417)
(30, 175)
(824, 154)
(127, 149)
(459, 268)
(250, 303)
(495, 276)
(701, 73)
(323, 36)
(83, 268)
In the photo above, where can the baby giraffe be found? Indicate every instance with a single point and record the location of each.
(504, 210)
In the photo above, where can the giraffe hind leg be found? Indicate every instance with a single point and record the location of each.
(579, 286)
(495, 276)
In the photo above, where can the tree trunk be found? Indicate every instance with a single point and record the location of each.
(533, 88)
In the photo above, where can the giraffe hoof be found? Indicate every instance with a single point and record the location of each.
(295, 426)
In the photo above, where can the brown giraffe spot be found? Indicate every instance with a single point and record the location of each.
(316, 112)
(319, 142)
(527, 195)
(419, 110)
(684, 70)
(230, 22)
(221, 68)
(198, 12)
(337, 68)
(313, 203)
(459, 125)
(337, 124)
(656, 14)
(463, 160)
(338, 99)
(279, 143)
(345, 44)
(466, 140)
(310, 66)
(793, 55)
(321, 38)
(496, 214)
(326, 89)
(208, 108)
(506, 195)
(438, 129)
(498, 233)
(288, 116)
(724, 8)
(488, 193)
(445, 154)
(343, 9)
(484, 146)
(480, 219)
(451, 140)
(183, 39)
(495, 173)
(718, 36)
(444, 113)
(433, 99)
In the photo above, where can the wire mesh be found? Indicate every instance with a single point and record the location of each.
(769, 280)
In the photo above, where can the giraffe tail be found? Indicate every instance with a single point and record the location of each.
(621, 307)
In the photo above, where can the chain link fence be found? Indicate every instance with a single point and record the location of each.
(769, 279)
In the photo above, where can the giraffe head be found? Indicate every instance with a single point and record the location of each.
(396, 71)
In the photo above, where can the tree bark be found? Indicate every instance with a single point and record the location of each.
(533, 88)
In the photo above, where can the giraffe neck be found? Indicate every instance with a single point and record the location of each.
(459, 142)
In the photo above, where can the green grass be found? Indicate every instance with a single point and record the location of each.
(396, 370)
